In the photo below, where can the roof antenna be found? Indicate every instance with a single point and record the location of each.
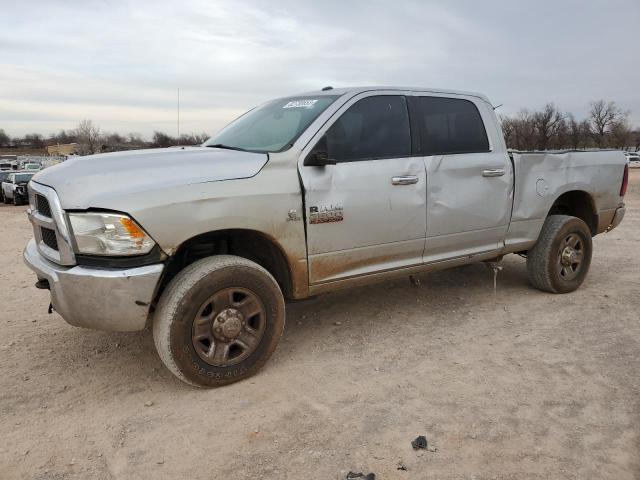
(497, 107)
(327, 88)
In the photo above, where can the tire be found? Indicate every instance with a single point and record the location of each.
(204, 344)
(16, 202)
(560, 260)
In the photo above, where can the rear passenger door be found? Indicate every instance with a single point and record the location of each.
(366, 213)
(469, 185)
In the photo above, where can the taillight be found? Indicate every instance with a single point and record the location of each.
(625, 180)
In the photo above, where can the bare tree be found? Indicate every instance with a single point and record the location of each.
(577, 133)
(162, 140)
(547, 124)
(524, 131)
(64, 136)
(508, 130)
(192, 139)
(135, 141)
(603, 116)
(88, 137)
(635, 140)
(4, 138)
(620, 134)
(35, 139)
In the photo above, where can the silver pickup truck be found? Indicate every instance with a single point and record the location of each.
(299, 196)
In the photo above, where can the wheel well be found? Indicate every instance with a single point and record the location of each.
(249, 244)
(577, 203)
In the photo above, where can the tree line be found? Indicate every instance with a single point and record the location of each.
(90, 138)
(606, 126)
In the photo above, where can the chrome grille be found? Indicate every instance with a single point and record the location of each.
(49, 238)
(42, 205)
(49, 225)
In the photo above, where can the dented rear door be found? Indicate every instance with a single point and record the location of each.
(469, 176)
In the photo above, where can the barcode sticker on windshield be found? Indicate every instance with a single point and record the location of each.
(300, 104)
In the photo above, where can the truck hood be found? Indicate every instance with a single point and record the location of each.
(91, 181)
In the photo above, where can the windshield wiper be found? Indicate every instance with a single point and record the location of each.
(227, 147)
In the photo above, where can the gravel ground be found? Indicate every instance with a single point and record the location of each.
(518, 384)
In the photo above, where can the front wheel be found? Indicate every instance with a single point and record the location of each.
(218, 321)
(560, 260)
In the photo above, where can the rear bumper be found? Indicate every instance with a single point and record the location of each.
(101, 299)
(617, 218)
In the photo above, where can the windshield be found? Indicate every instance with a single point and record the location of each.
(272, 127)
(23, 177)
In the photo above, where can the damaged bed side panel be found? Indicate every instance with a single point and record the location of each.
(541, 178)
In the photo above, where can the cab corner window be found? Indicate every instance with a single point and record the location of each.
(374, 127)
(450, 125)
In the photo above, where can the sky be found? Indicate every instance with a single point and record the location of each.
(120, 63)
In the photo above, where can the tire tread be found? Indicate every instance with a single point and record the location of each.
(177, 289)
(539, 257)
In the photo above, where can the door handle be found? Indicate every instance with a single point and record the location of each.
(497, 172)
(404, 180)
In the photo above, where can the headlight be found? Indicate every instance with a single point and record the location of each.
(108, 234)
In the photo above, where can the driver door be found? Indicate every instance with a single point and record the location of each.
(366, 213)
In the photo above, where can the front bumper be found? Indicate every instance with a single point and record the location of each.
(97, 298)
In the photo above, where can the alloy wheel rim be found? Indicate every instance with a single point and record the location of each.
(570, 256)
(228, 327)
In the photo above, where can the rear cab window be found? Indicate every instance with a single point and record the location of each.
(449, 126)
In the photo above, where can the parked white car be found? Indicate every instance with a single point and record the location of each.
(14, 188)
(32, 166)
(633, 158)
(300, 196)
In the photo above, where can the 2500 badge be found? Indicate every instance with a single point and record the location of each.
(325, 214)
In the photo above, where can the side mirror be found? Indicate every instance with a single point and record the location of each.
(319, 156)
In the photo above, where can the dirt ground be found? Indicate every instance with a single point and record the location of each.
(520, 385)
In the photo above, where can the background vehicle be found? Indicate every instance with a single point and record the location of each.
(31, 166)
(300, 196)
(14, 188)
(4, 174)
(633, 158)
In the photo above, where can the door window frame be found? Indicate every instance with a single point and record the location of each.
(384, 157)
(348, 104)
(417, 120)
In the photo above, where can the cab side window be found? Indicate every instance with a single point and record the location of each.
(374, 127)
(450, 125)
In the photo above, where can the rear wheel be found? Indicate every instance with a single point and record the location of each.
(218, 321)
(560, 260)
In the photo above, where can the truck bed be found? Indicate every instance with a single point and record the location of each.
(540, 178)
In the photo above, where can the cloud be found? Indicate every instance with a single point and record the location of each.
(121, 62)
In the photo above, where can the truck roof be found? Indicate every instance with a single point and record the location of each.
(356, 90)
